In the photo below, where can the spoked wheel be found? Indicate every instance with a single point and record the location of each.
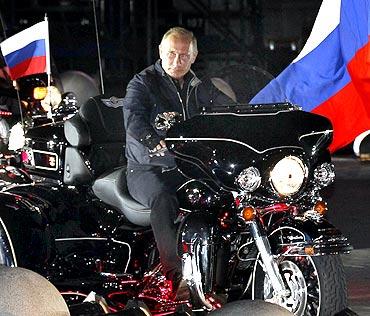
(296, 283)
(316, 285)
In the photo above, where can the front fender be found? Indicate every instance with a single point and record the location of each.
(302, 235)
(197, 240)
(197, 225)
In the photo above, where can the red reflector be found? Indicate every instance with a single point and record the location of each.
(5, 113)
(25, 157)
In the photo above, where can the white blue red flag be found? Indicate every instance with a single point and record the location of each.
(331, 75)
(27, 52)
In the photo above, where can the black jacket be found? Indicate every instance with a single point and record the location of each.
(148, 94)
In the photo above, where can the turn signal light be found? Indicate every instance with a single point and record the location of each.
(321, 207)
(39, 93)
(309, 250)
(248, 213)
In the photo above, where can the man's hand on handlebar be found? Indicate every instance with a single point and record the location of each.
(159, 150)
(165, 120)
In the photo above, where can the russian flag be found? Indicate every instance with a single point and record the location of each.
(331, 75)
(27, 52)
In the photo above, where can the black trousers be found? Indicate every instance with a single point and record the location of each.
(156, 189)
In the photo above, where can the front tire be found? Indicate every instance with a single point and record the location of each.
(317, 285)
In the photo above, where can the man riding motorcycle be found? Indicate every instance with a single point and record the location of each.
(167, 88)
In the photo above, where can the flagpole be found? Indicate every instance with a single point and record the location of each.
(15, 85)
(48, 68)
(98, 46)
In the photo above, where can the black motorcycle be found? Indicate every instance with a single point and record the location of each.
(251, 222)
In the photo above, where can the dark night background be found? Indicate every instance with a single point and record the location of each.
(265, 33)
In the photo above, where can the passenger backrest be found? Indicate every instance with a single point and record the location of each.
(96, 140)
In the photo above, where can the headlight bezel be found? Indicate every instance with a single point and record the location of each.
(279, 184)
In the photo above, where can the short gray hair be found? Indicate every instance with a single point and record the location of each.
(180, 32)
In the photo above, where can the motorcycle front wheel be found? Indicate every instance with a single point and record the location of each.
(317, 285)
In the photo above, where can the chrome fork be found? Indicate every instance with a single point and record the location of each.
(193, 277)
(272, 269)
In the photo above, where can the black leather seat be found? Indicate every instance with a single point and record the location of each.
(95, 156)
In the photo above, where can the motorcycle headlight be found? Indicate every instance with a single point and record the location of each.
(324, 174)
(249, 179)
(288, 175)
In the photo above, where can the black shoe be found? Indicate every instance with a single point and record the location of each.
(183, 292)
(180, 288)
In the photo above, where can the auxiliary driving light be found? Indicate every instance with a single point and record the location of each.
(324, 174)
(249, 179)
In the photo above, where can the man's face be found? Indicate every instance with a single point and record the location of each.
(177, 56)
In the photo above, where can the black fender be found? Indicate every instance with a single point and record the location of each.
(197, 237)
(197, 225)
(307, 236)
(26, 231)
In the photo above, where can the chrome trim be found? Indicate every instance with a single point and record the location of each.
(326, 132)
(33, 163)
(101, 239)
(331, 242)
(193, 277)
(228, 140)
(248, 114)
(81, 238)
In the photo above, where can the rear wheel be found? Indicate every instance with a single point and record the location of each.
(7, 255)
(317, 285)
